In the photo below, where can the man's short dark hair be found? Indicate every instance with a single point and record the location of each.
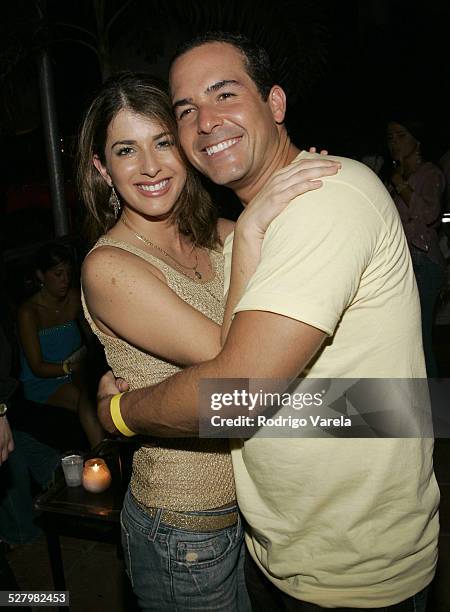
(256, 59)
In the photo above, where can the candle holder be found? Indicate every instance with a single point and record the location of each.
(96, 476)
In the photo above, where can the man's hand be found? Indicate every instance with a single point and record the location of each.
(107, 388)
(6, 440)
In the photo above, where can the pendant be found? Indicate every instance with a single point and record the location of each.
(197, 274)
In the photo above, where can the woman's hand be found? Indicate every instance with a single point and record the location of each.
(314, 150)
(107, 388)
(6, 439)
(285, 185)
(397, 175)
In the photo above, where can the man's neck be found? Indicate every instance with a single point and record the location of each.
(284, 154)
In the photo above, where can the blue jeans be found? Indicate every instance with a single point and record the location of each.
(266, 597)
(29, 459)
(175, 570)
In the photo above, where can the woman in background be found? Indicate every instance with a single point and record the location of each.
(50, 339)
(417, 187)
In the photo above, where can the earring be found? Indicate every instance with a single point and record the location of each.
(114, 202)
(418, 154)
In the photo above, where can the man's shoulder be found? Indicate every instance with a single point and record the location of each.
(354, 175)
(354, 190)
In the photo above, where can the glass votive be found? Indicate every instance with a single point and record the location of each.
(96, 476)
(72, 465)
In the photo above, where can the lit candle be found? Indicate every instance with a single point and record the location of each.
(96, 476)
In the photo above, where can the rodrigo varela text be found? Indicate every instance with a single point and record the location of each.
(280, 421)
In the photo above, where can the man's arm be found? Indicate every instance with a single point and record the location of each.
(259, 345)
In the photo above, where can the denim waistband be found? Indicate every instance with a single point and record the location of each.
(194, 520)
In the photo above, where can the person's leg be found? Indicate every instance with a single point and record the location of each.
(42, 460)
(8, 581)
(145, 557)
(17, 514)
(242, 593)
(16, 503)
(420, 601)
(266, 597)
(177, 570)
(429, 277)
(70, 397)
(55, 427)
(87, 411)
(66, 396)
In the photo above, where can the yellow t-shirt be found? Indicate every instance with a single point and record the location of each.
(342, 522)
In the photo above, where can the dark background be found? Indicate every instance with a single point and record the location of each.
(347, 67)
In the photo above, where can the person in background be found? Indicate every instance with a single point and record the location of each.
(51, 343)
(417, 187)
(8, 581)
(27, 457)
(444, 164)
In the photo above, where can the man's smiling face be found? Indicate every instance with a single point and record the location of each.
(225, 127)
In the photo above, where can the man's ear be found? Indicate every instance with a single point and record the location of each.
(102, 169)
(277, 103)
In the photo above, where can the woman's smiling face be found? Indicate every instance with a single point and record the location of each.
(143, 163)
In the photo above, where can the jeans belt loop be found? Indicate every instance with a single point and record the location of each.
(155, 526)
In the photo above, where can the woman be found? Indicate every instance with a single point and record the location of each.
(417, 187)
(153, 287)
(50, 338)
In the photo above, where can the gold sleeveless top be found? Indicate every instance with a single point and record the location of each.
(178, 474)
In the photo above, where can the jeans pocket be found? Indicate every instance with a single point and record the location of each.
(125, 539)
(205, 568)
(204, 550)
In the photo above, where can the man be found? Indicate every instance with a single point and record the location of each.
(336, 523)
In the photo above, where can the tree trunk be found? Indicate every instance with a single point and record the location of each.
(53, 145)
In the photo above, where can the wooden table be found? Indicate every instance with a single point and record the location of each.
(74, 512)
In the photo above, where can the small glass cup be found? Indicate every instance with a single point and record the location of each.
(72, 465)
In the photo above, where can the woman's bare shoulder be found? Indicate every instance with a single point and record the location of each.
(106, 258)
(107, 264)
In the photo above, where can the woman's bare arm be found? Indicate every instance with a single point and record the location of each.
(127, 300)
(285, 185)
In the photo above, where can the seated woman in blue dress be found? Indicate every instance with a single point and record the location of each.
(51, 342)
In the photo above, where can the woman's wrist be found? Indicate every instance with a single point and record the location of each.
(245, 230)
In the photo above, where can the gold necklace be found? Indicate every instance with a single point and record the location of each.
(198, 274)
(53, 308)
(161, 250)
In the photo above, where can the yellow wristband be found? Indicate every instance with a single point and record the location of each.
(67, 367)
(114, 408)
